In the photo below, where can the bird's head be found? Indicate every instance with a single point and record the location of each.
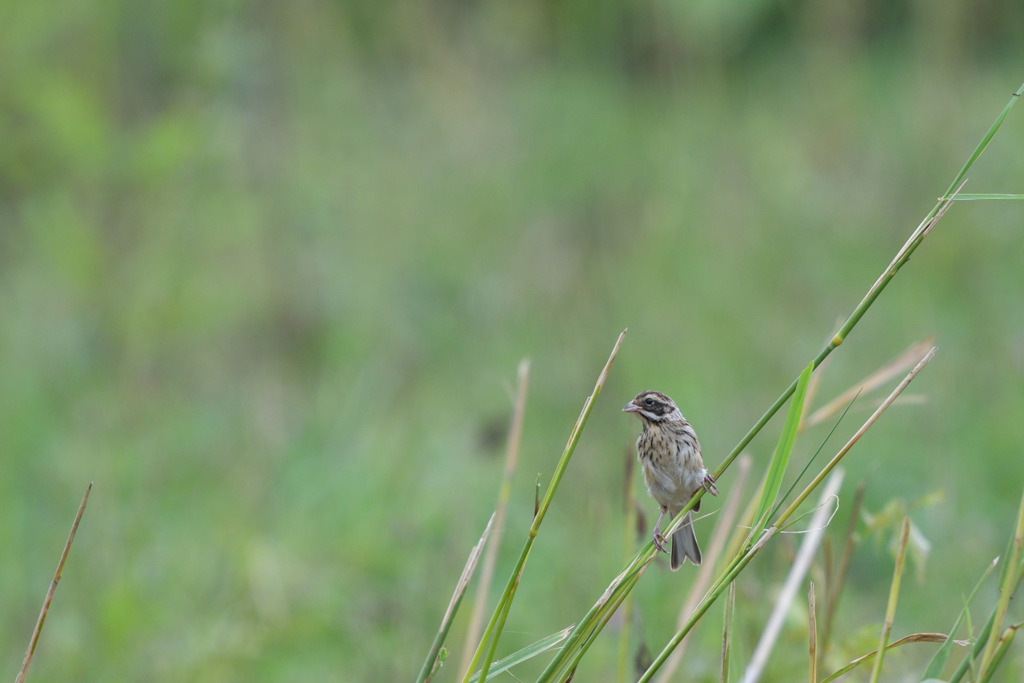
(652, 406)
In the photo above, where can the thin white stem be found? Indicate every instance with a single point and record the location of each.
(793, 581)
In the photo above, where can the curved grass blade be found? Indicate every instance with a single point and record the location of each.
(912, 638)
(528, 652)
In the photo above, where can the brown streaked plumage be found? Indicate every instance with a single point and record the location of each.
(669, 454)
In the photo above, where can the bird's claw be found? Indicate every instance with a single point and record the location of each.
(709, 485)
(659, 541)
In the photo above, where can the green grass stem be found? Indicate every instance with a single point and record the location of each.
(894, 594)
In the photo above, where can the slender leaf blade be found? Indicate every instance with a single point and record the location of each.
(528, 652)
(780, 460)
(941, 656)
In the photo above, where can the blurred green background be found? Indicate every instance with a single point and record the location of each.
(267, 270)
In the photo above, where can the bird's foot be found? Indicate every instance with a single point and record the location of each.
(659, 541)
(709, 484)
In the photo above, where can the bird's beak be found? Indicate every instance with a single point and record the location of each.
(631, 408)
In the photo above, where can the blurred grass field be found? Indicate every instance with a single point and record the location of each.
(267, 272)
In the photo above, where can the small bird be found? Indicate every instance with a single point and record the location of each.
(669, 453)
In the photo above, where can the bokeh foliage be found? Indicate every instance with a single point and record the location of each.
(267, 270)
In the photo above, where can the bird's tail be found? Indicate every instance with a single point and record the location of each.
(684, 545)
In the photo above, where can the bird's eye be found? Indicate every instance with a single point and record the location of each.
(649, 401)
